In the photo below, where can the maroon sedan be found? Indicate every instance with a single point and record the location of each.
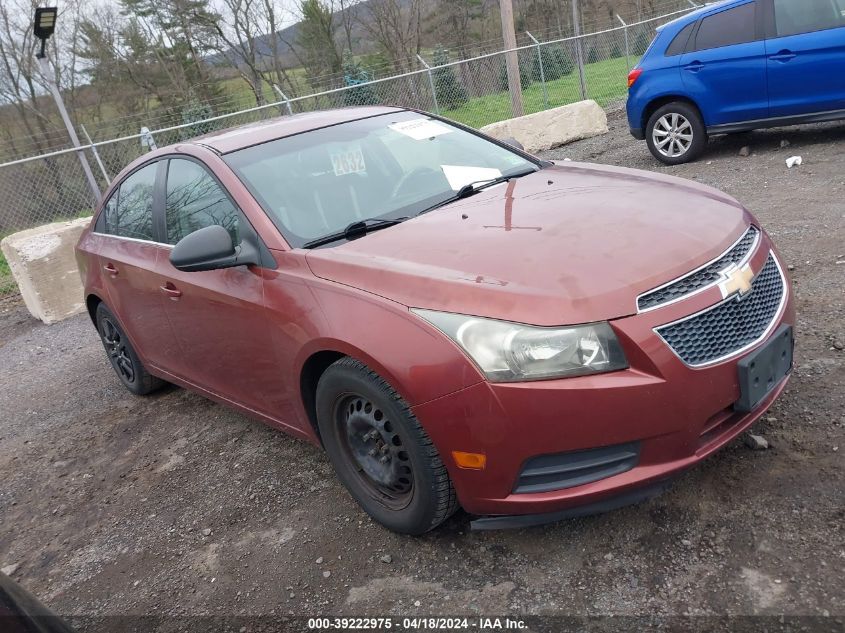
(455, 321)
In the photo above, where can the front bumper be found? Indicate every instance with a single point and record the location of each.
(677, 416)
(637, 133)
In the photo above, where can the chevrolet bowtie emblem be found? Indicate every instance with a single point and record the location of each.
(736, 280)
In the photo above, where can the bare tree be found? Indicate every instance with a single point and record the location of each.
(238, 39)
(395, 25)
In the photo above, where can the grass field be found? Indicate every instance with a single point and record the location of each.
(606, 82)
(7, 283)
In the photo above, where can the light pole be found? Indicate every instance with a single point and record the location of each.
(45, 25)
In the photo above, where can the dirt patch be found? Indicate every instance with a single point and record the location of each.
(172, 505)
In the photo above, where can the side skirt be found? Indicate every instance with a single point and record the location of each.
(760, 124)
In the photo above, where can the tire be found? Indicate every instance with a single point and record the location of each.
(682, 122)
(362, 422)
(122, 356)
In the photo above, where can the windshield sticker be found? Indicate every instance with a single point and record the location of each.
(420, 129)
(351, 162)
(460, 175)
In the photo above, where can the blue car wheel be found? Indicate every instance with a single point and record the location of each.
(675, 133)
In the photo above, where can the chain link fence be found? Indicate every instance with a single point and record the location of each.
(53, 187)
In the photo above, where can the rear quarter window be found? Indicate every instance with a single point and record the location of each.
(679, 44)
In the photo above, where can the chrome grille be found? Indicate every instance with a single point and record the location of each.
(731, 326)
(703, 277)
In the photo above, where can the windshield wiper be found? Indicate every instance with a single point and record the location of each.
(356, 229)
(473, 187)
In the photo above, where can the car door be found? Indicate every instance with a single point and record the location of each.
(806, 56)
(129, 254)
(217, 316)
(724, 71)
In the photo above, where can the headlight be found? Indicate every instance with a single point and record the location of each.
(510, 352)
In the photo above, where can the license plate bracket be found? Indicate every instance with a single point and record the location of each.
(763, 370)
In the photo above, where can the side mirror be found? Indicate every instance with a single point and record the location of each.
(211, 248)
(513, 143)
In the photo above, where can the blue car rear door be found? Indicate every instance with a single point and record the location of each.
(805, 56)
(725, 70)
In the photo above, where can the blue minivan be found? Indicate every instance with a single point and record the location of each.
(735, 66)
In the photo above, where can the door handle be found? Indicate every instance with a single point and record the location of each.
(783, 56)
(110, 269)
(694, 67)
(171, 291)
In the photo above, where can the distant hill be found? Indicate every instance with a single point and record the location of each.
(288, 37)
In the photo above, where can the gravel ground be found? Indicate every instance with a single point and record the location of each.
(171, 505)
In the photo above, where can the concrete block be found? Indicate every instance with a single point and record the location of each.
(43, 265)
(552, 128)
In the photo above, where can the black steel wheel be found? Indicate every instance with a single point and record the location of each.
(380, 451)
(370, 441)
(122, 356)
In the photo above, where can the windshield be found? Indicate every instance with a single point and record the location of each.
(389, 166)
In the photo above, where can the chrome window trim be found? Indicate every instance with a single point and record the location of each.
(739, 352)
(740, 264)
(132, 239)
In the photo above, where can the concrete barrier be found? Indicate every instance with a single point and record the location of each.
(44, 267)
(552, 128)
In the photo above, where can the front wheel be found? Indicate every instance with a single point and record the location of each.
(380, 452)
(676, 134)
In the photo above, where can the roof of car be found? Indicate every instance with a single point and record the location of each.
(250, 134)
(692, 16)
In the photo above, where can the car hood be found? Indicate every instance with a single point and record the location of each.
(573, 243)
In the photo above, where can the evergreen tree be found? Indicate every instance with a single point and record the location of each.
(556, 63)
(526, 70)
(354, 75)
(450, 91)
(317, 41)
(176, 34)
(196, 111)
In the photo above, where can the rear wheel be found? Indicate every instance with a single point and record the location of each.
(122, 356)
(676, 134)
(380, 452)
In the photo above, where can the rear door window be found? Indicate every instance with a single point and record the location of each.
(807, 16)
(129, 212)
(734, 26)
(195, 201)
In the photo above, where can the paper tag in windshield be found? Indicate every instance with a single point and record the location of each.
(420, 129)
(351, 162)
(459, 175)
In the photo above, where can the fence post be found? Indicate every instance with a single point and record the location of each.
(147, 139)
(60, 104)
(542, 71)
(96, 155)
(627, 50)
(579, 53)
(284, 97)
(431, 83)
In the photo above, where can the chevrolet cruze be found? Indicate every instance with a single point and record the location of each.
(456, 322)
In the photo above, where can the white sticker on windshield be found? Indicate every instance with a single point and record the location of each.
(351, 162)
(420, 129)
(459, 175)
